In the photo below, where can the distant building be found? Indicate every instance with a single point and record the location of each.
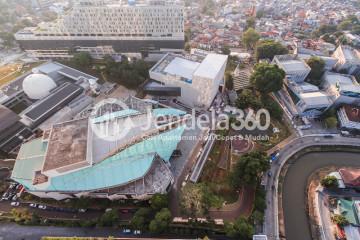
(101, 28)
(48, 94)
(79, 158)
(296, 70)
(348, 60)
(198, 77)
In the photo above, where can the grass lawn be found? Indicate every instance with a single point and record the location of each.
(217, 178)
(12, 71)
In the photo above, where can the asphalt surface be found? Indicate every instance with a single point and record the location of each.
(293, 146)
(294, 198)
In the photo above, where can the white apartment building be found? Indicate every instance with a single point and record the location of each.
(198, 77)
(125, 26)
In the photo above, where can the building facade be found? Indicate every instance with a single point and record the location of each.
(122, 27)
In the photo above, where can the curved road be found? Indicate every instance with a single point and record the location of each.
(294, 204)
(271, 215)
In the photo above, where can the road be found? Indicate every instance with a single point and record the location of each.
(271, 215)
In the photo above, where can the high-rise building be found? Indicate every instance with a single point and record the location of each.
(153, 26)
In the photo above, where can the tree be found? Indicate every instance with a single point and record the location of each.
(329, 182)
(108, 219)
(340, 220)
(161, 221)
(250, 23)
(248, 169)
(344, 25)
(192, 201)
(267, 49)
(21, 215)
(250, 38)
(82, 59)
(159, 201)
(229, 81)
(267, 78)
(331, 122)
(317, 66)
(272, 106)
(240, 229)
(141, 219)
(225, 50)
(247, 99)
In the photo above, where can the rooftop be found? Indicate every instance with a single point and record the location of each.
(7, 118)
(351, 177)
(67, 146)
(353, 113)
(315, 98)
(290, 64)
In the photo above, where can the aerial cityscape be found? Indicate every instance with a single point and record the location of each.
(180, 119)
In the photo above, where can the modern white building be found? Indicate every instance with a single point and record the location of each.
(342, 88)
(296, 70)
(348, 60)
(313, 104)
(198, 77)
(108, 27)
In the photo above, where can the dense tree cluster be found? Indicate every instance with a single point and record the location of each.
(267, 49)
(317, 66)
(250, 38)
(267, 78)
(249, 168)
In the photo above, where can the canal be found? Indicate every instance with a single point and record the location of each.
(294, 188)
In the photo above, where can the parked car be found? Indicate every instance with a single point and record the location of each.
(124, 211)
(33, 205)
(43, 207)
(15, 204)
(137, 232)
(126, 231)
(81, 210)
(15, 197)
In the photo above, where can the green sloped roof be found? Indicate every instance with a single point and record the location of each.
(347, 210)
(30, 159)
(33, 148)
(126, 166)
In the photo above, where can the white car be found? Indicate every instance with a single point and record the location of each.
(137, 232)
(81, 210)
(42, 207)
(33, 205)
(15, 204)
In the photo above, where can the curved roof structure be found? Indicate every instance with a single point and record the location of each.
(37, 86)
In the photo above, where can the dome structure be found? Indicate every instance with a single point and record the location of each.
(37, 86)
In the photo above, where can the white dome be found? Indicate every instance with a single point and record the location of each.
(37, 86)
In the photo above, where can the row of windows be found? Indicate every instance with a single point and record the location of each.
(101, 35)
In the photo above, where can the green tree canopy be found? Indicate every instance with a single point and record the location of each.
(161, 221)
(267, 78)
(267, 49)
(240, 229)
(250, 23)
(159, 201)
(141, 219)
(248, 99)
(82, 59)
(229, 81)
(340, 220)
(329, 182)
(317, 66)
(250, 38)
(331, 122)
(249, 168)
(108, 219)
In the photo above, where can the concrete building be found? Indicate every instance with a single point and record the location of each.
(101, 28)
(349, 118)
(46, 95)
(341, 88)
(313, 104)
(296, 70)
(198, 77)
(348, 60)
(83, 157)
